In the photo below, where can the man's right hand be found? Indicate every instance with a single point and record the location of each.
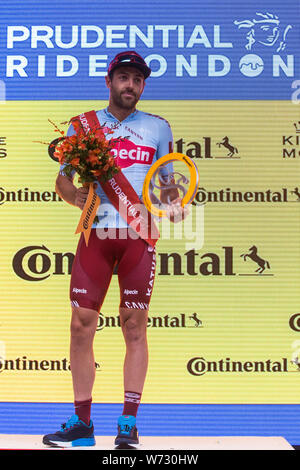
(81, 195)
(70, 193)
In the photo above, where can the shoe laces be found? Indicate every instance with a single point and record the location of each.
(126, 427)
(73, 421)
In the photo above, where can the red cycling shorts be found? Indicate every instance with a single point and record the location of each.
(94, 265)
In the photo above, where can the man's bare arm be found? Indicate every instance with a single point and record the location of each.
(69, 192)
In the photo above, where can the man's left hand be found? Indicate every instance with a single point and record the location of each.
(175, 211)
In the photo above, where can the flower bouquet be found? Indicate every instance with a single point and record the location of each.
(87, 153)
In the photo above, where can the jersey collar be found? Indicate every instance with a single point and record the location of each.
(129, 118)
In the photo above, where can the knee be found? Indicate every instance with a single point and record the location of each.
(82, 327)
(77, 328)
(134, 332)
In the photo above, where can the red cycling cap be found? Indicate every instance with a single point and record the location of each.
(132, 59)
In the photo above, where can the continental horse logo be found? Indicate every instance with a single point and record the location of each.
(198, 322)
(225, 142)
(297, 193)
(266, 29)
(262, 263)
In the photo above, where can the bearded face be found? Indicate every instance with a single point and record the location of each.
(126, 86)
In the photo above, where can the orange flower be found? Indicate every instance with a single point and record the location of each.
(60, 156)
(111, 161)
(82, 146)
(92, 158)
(106, 167)
(75, 161)
(66, 147)
(73, 139)
(96, 172)
(99, 134)
(58, 150)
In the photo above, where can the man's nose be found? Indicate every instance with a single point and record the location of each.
(130, 83)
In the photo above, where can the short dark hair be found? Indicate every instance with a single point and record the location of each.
(121, 66)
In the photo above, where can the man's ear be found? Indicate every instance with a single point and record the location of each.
(107, 81)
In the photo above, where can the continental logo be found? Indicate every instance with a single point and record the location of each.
(89, 212)
(24, 363)
(37, 263)
(224, 263)
(182, 320)
(199, 366)
(208, 148)
(228, 195)
(27, 195)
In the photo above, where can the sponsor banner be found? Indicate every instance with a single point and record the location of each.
(196, 50)
(224, 315)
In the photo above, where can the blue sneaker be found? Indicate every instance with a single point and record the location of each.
(127, 431)
(72, 433)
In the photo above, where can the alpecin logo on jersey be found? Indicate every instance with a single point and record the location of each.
(130, 153)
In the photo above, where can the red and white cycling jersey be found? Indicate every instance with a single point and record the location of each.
(149, 137)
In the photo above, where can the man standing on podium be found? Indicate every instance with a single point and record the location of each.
(149, 137)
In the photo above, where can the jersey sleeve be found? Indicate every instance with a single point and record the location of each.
(70, 132)
(165, 146)
(165, 139)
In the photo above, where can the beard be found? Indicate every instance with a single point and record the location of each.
(124, 102)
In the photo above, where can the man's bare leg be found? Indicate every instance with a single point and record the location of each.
(134, 328)
(83, 327)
